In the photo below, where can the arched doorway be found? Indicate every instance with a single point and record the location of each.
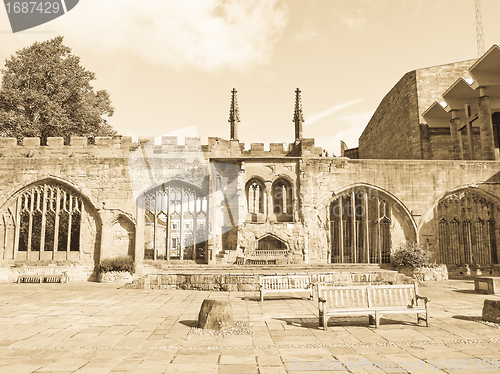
(176, 222)
(271, 243)
(467, 229)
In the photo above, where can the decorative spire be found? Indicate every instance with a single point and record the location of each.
(298, 116)
(234, 115)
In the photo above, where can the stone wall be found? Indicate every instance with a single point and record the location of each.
(433, 81)
(393, 131)
(106, 175)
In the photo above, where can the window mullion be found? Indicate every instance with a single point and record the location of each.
(44, 213)
(56, 223)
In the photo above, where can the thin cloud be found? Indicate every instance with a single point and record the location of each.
(317, 116)
(307, 33)
(352, 125)
(206, 34)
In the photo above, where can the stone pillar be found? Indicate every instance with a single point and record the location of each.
(426, 149)
(456, 135)
(139, 233)
(268, 208)
(485, 126)
(211, 220)
(105, 234)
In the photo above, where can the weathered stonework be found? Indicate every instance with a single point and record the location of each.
(115, 277)
(113, 222)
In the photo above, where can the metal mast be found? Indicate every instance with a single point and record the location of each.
(479, 29)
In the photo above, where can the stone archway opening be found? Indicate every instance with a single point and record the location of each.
(467, 229)
(271, 243)
(365, 224)
(176, 221)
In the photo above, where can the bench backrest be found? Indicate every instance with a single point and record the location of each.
(44, 270)
(279, 282)
(344, 297)
(341, 297)
(393, 295)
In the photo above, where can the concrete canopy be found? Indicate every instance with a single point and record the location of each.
(486, 70)
(436, 116)
(459, 94)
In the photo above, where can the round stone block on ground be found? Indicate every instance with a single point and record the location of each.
(491, 310)
(215, 315)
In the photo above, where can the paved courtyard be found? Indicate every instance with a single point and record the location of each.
(100, 328)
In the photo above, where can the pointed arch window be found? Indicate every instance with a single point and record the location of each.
(360, 227)
(282, 200)
(255, 196)
(470, 237)
(44, 223)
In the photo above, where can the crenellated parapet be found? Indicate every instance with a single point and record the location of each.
(122, 146)
(79, 146)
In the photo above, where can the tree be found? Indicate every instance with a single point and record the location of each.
(45, 92)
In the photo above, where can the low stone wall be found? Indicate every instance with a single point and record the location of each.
(115, 277)
(438, 273)
(434, 273)
(9, 271)
(250, 281)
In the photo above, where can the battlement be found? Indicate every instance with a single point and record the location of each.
(117, 146)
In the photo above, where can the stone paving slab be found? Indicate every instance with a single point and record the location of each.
(99, 328)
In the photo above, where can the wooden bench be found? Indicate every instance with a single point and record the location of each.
(43, 273)
(371, 300)
(285, 283)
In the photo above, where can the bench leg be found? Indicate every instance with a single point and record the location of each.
(325, 322)
(377, 318)
(426, 319)
(261, 295)
(371, 319)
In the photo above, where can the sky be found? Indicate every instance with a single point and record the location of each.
(170, 65)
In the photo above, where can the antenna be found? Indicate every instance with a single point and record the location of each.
(479, 29)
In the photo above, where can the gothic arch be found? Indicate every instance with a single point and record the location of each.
(255, 190)
(273, 237)
(48, 179)
(283, 199)
(53, 220)
(366, 222)
(464, 221)
(175, 221)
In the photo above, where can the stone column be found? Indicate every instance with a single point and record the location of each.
(485, 126)
(139, 232)
(456, 137)
(268, 208)
(105, 234)
(211, 220)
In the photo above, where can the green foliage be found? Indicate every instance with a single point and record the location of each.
(124, 263)
(412, 255)
(45, 92)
